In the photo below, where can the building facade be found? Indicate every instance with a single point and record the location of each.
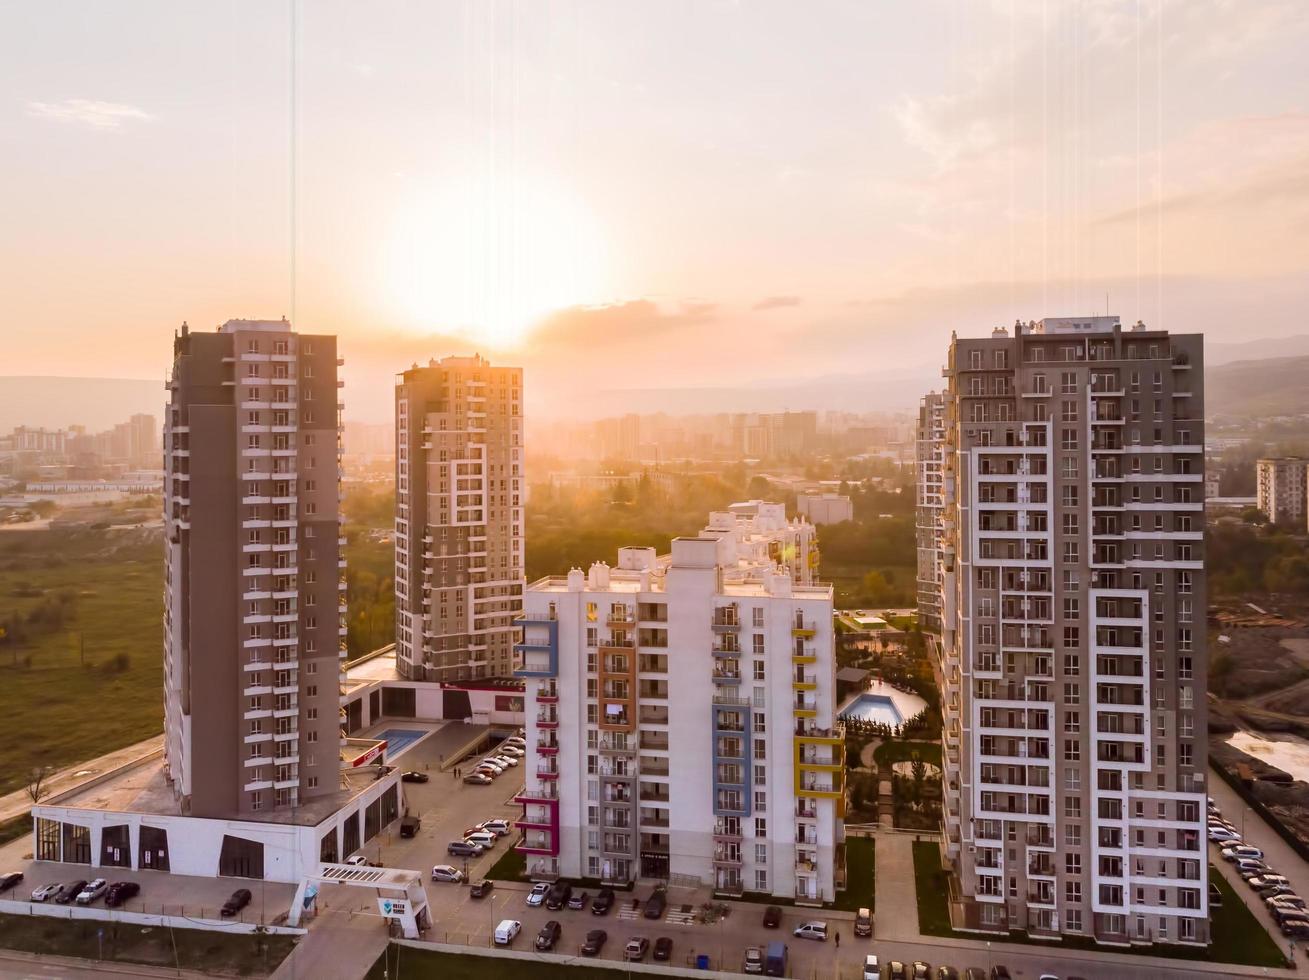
(825, 508)
(1072, 656)
(929, 450)
(459, 519)
(1282, 487)
(254, 575)
(681, 723)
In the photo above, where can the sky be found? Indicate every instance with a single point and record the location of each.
(624, 195)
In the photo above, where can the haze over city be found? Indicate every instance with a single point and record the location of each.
(725, 195)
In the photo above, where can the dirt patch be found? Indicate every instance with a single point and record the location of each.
(1260, 663)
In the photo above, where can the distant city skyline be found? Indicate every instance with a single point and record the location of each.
(545, 186)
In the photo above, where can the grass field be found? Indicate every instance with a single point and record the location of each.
(860, 875)
(1237, 935)
(232, 954)
(421, 964)
(93, 685)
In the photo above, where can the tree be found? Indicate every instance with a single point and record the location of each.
(38, 784)
(919, 769)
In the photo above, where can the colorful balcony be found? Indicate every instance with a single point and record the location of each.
(538, 659)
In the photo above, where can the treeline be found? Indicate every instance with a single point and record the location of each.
(1242, 559)
(879, 542)
(47, 616)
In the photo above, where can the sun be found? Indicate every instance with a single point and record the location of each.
(488, 258)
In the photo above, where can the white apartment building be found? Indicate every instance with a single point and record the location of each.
(1282, 489)
(1072, 649)
(681, 723)
(459, 519)
(825, 508)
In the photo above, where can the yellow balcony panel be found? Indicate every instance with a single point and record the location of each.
(805, 712)
(804, 658)
(804, 685)
(803, 632)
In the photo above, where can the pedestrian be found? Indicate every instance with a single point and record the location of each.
(838, 940)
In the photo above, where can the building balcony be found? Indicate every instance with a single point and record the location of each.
(616, 748)
(727, 856)
(724, 676)
(547, 771)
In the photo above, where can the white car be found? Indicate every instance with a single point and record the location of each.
(446, 872)
(483, 837)
(516, 741)
(93, 890)
(506, 931)
(46, 892)
(812, 930)
(534, 898)
(505, 760)
(498, 826)
(1223, 835)
(358, 860)
(487, 765)
(513, 751)
(1242, 851)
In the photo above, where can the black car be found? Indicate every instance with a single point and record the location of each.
(481, 888)
(656, 904)
(947, 973)
(69, 892)
(413, 777)
(604, 901)
(663, 948)
(595, 941)
(1000, 973)
(578, 901)
(772, 917)
(239, 900)
(975, 973)
(120, 891)
(9, 879)
(558, 895)
(549, 935)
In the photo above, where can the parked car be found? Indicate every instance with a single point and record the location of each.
(463, 848)
(481, 888)
(772, 917)
(1267, 881)
(578, 901)
(413, 776)
(358, 860)
(120, 891)
(46, 892)
(871, 969)
(753, 960)
(447, 872)
(549, 935)
(636, 948)
(947, 973)
(816, 930)
(484, 838)
(505, 761)
(513, 751)
(93, 890)
(498, 826)
(558, 895)
(656, 904)
(1000, 973)
(604, 901)
(537, 895)
(506, 931)
(921, 971)
(663, 948)
(239, 900)
(1223, 834)
(863, 923)
(1272, 891)
(1287, 901)
(477, 779)
(1242, 851)
(9, 879)
(1296, 930)
(410, 825)
(975, 973)
(70, 891)
(595, 941)
(490, 767)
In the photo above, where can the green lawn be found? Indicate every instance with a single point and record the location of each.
(240, 954)
(897, 750)
(509, 866)
(1237, 935)
(860, 875)
(94, 684)
(420, 964)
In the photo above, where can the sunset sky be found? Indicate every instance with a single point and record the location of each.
(644, 195)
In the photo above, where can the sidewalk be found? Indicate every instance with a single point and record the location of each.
(17, 803)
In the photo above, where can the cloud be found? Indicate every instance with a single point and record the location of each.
(616, 324)
(88, 112)
(776, 302)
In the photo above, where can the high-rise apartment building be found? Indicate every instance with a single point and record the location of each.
(1072, 647)
(254, 609)
(459, 519)
(681, 721)
(929, 445)
(1282, 489)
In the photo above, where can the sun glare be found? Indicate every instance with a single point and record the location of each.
(490, 258)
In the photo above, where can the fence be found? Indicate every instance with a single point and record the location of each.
(174, 916)
(1270, 818)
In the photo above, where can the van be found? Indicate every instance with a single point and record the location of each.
(775, 959)
(506, 931)
(409, 826)
(863, 923)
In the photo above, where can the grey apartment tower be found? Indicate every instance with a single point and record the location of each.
(459, 519)
(254, 576)
(1064, 541)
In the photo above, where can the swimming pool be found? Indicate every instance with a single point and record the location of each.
(399, 739)
(873, 707)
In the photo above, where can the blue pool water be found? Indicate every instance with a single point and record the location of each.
(398, 739)
(873, 707)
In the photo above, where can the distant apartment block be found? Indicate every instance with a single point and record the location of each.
(929, 462)
(1282, 486)
(254, 605)
(1072, 648)
(824, 508)
(681, 720)
(459, 519)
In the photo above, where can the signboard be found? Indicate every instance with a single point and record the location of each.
(370, 756)
(393, 906)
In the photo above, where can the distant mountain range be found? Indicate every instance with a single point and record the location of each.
(1253, 350)
(56, 403)
(1258, 388)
